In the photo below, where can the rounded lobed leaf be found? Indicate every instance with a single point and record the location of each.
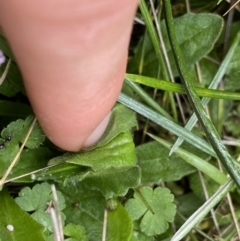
(155, 207)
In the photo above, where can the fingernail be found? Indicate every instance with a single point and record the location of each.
(97, 133)
(2, 57)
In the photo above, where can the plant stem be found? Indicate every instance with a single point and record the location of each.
(153, 35)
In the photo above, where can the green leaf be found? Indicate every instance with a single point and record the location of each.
(7, 153)
(10, 108)
(122, 120)
(12, 84)
(40, 172)
(138, 235)
(119, 225)
(195, 161)
(232, 75)
(60, 172)
(232, 123)
(156, 165)
(37, 200)
(211, 72)
(118, 152)
(154, 207)
(114, 181)
(196, 35)
(30, 160)
(24, 227)
(18, 131)
(187, 204)
(84, 207)
(75, 232)
(197, 187)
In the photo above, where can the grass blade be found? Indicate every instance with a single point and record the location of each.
(204, 120)
(214, 84)
(154, 38)
(178, 88)
(148, 99)
(195, 161)
(166, 124)
(202, 211)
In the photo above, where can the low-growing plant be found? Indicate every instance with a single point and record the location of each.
(155, 174)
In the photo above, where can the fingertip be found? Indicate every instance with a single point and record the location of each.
(73, 72)
(97, 133)
(75, 143)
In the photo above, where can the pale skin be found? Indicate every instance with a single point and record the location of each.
(72, 55)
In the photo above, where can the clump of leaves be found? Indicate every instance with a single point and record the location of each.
(74, 232)
(24, 227)
(13, 135)
(17, 131)
(37, 202)
(155, 208)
